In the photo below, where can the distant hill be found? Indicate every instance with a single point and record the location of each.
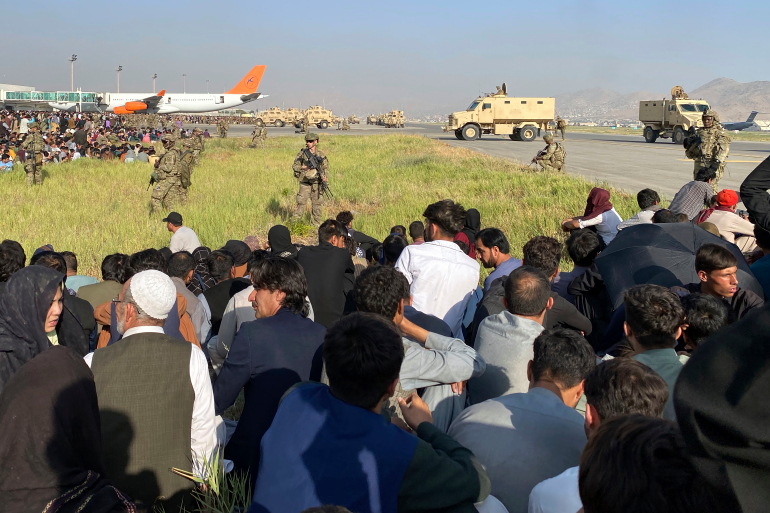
(733, 100)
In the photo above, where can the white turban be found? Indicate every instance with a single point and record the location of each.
(153, 292)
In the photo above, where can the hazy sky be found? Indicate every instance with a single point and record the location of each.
(367, 56)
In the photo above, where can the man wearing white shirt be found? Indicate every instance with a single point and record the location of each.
(616, 387)
(152, 388)
(441, 277)
(183, 238)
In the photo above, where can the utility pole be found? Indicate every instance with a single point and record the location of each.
(207, 87)
(119, 69)
(72, 71)
(184, 83)
(154, 76)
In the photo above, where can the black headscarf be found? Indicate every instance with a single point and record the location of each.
(201, 279)
(279, 238)
(721, 401)
(24, 305)
(472, 224)
(51, 448)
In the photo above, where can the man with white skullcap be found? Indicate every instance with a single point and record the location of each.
(152, 388)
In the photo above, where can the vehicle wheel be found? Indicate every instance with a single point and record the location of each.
(650, 135)
(471, 132)
(515, 135)
(323, 124)
(459, 134)
(528, 133)
(678, 136)
(259, 122)
(279, 123)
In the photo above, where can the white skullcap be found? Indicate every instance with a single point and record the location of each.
(153, 292)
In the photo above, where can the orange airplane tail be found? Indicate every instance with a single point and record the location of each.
(250, 82)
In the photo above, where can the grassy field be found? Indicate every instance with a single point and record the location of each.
(95, 208)
(735, 136)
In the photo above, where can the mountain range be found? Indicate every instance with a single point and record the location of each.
(732, 100)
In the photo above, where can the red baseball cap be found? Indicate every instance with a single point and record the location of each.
(727, 197)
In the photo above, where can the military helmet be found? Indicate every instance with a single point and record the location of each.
(168, 138)
(311, 136)
(711, 113)
(548, 137)
(33, 125)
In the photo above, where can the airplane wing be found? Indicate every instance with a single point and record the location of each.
(152, 101)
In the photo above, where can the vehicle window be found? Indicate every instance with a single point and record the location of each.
(687, 107)
(539, 102)
(473, 106)
(702, 107)
(523, 103)
(487, 105)
(507, 102)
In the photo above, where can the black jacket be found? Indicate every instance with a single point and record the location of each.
(219, 295)
(365, 243)
(754, 194)
(741, 303)
(593, 301)
(330, 276)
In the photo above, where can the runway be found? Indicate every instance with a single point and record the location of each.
(624, 161)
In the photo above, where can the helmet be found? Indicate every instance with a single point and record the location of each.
(711, 113)
(32, 125)
(196, 129)
(311, 136)
(548, 138)
(168, 138)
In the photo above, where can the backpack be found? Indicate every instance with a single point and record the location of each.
(185, 168)
(560, 154)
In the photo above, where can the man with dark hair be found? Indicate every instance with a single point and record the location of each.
(654, 319)
(526, 437)
(506, 338)
(761, 267)
(649, 202)
(436, 364)
(544, 253)
(632, 453)
(74, 280)
(417, 232)
(704, 315)
(392, 247)
(717, 269)
(399, 229)
(583, 247)
(664, 216)
(694, 195)
(113, 277)
(330, 445)
(180, 270)
(329, 271)
(493, 250)
(183, 238)
(614, 388)
(221, 265)
(269, 355)
(12, 259)
(442, 278)
(364, 243)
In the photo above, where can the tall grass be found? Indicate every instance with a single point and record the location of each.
(95, 208)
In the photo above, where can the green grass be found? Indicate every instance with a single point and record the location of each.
(739, 136)
(95, 208)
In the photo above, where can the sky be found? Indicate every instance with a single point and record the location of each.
(364, 57)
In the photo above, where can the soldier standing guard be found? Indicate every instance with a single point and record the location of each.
(33, 146)
(561, 125)
(195, 145)
(709, 147)
(309, 180)
(552, 157)
(169, 191)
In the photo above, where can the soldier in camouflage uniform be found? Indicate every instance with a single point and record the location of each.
(33, 146)
(712, 150)
(194, 144)
(561, 125)
(552, 157)
(258, 137)
(168, 192)
(309, 186)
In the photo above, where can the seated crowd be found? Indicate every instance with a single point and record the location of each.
(384, 376)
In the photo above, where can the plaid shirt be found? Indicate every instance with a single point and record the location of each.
(691, 199)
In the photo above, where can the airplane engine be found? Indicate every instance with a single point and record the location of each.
(132, 106)
(121, 110)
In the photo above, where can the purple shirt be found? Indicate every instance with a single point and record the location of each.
(503, 269)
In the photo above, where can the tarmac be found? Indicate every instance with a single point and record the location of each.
(623, 161)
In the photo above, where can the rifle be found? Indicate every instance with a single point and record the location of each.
(153, 180)
(313, 162)
(692, 139)
(539, 154)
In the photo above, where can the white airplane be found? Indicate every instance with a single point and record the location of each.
(162, 103)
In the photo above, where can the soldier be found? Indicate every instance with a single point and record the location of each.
(258, 137)
(552, 157)
(345, 125)
(169, 191)
(560, 126)
(309, 180)
(33, 146)
(195, 145)
(709, 147)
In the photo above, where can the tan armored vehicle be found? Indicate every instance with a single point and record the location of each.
(371, 119)
(318, 116)
(353, 120)
(276, 117)
(394, 119)
(671, 118)
(497, 113)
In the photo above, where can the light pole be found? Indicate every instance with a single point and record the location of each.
(119, 69)
(154, 76)
(72, 71)
(207, 87)
(184, 83)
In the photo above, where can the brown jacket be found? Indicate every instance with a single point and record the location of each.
(186, 328)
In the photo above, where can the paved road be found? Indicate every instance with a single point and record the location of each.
(624, 161)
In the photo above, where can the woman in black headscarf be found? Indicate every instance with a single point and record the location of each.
(201, 279)
(51, 444)
(469, 231)
(279, 239)
(30, 305)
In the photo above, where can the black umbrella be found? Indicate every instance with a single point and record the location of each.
(663, 254)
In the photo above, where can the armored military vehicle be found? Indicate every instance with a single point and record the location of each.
(276, 117)
(671, 118)
(319, 116)
(394, 119)
(353, 120)
(521, 119)
(371, 119)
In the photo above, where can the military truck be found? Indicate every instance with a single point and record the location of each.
(319, 116)
(521, 119)
(671, 118)
(394, 119)
(353, 120)
(276, 117)
(371, 119)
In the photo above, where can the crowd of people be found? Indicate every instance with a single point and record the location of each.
(384, 375)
